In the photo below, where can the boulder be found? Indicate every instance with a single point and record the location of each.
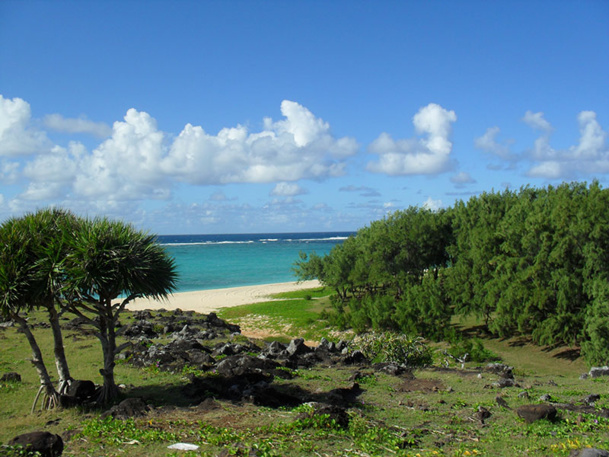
(589, 452)
(275, 349)
(44, 443)
(597, 372)
(82, 390)
(591, 399)
(141, 328)
(335, 413)
(356, 357)
(11, 377)
(239, 365)
(500, 369)
(298, 347)
(532, 413)
(131, 407)
(142, 315)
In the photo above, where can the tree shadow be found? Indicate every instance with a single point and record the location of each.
(519, 342)
(161, 394)
(238, 389)
(570, 354)
(566, 353)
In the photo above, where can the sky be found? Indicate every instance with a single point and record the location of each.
(204, 117)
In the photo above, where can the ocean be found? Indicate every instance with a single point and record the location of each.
(219, 261)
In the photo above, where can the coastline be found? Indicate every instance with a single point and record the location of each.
(207, 301)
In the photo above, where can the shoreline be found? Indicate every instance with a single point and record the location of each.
(207, 301)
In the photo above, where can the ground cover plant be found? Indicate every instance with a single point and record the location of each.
(432, 408)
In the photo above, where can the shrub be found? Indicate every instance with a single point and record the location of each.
(394, 347)
(475, 350)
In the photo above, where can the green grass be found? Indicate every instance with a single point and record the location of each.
(430, 415)
(288, 315)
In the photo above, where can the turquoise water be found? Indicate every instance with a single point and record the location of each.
(221, 261)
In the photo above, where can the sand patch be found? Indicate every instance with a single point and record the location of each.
(207, 301)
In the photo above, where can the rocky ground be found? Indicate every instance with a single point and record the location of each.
(226, 368)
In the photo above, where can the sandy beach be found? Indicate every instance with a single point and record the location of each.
(206, 301)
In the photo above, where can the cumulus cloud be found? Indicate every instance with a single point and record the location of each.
(425, 156)
(590, 155)
(300, 146)
(488, 143)
(138, 161)
(537, 121)
(126, 166)
(284, 189)
(432, 204)
(17, 137)
(9, 171)
(77, 125)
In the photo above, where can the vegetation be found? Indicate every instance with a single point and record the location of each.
(55, 261)
(512, 276)
(430, 412)
(533, 262)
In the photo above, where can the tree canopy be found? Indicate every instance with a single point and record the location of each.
(59, 262)
(532, 262)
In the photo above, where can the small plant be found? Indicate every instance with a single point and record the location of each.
(394, 347)
(475, 350)
(190, 370)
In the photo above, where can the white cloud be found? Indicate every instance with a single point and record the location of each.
(550, 170)
(138, 161)
(590, 155)
(284, 189)
(488, 143)
(537, 121)
(77, 125)
(592, 141)
(9, 172)
(17, 137)
(37, 191)
(429, 155)
(462, 178)
(298, 147)
(127, 165)
(60, 165)
(432, 204)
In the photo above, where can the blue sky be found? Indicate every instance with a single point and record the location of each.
(277, 116)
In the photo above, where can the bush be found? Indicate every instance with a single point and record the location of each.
(475, 350)
(394, 347)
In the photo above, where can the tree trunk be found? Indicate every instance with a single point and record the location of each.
(61, 362)
(107, 337)
(51, 398)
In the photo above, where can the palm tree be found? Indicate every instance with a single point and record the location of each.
(18, 282)
(108, 261)
(48, 231)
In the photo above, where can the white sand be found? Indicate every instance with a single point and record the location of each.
(206, 301)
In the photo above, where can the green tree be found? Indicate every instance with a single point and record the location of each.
(18, 284)
(108, 261)
(34, 247)
(48, 231)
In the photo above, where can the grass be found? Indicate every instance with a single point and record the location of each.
(289, 315)
(432, 414)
